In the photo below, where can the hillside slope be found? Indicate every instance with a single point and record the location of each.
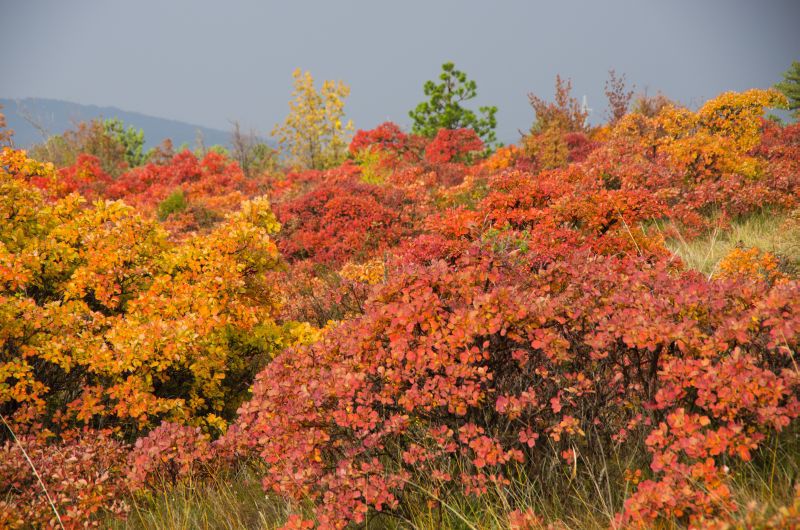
(53, 116)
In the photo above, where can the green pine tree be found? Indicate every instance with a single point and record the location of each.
(790, 86)
(130, 139)
(443, 109)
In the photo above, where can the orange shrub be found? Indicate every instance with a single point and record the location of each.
(105, 322)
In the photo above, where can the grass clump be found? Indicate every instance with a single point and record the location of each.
(775, 232)
(586, 495)
(229, 501)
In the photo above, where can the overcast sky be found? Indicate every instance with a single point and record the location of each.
(210, 62)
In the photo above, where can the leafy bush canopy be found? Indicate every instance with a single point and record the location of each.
(418, 321)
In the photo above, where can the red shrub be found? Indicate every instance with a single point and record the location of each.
(478, 361)
(639, 156)
(86, 177)
(168, 453)
(742, 383)
(83, 474)
(579, 146)
(341, 221)
(389, 140)
(453, 146)
(521, 199)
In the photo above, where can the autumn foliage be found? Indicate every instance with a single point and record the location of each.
(105, 318)
(84, 479)
(424, 314)
(496, 359)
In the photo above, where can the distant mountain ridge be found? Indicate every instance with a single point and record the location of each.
(55, 116)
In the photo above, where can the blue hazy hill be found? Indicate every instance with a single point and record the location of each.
(51, 116)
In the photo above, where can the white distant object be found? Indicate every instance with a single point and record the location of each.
(585, 109)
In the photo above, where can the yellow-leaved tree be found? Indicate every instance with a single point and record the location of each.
(314, 134)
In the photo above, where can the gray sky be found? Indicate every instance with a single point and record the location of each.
(208, 62)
